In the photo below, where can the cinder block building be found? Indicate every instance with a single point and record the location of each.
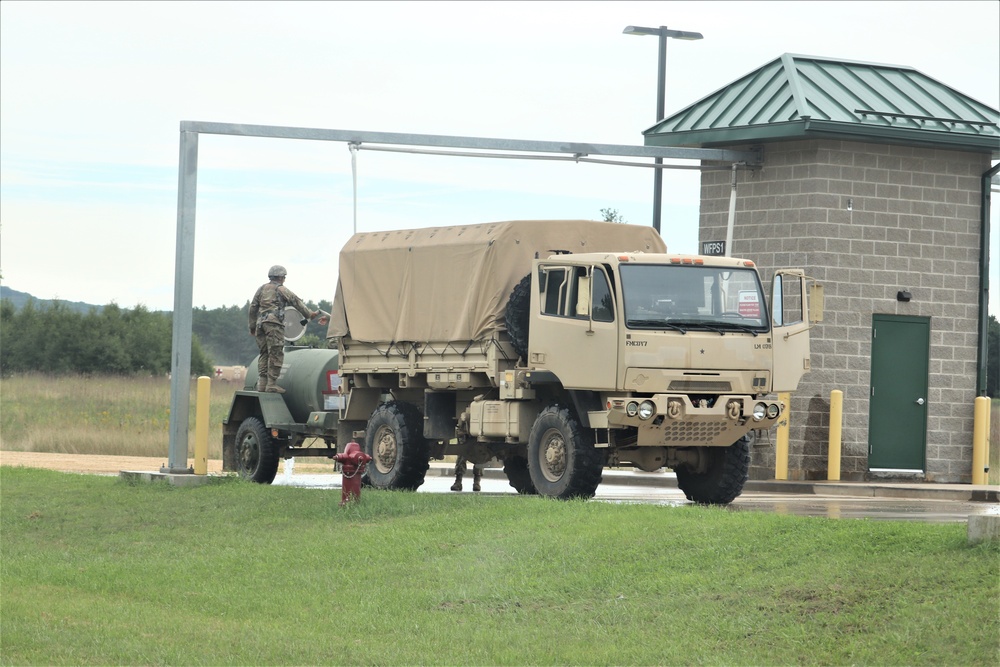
(876, 181)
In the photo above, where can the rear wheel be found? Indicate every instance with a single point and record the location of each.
(727, 471)
(395, 441)
(516, 469)
(562, 460)
(256, 452)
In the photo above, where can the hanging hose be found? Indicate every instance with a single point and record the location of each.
(354, 178)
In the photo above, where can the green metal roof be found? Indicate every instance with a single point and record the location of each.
(808, 97)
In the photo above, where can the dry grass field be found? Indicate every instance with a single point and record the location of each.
(117, 416)
(129, 416)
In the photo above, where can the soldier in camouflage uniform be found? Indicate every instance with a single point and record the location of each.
(267, 325)
(460, 467)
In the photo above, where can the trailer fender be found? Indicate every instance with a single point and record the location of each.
(270, 408)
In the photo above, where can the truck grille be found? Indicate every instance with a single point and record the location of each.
(701, 386)
(694, 432)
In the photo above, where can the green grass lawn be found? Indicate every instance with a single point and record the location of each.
(96, 571)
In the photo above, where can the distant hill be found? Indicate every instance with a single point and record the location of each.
(21, 298)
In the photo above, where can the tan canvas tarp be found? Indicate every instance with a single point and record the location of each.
(452, 283)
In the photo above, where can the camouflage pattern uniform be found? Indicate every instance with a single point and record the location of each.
(267, 325)
(460, 468)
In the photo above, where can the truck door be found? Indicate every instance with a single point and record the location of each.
(573, 331)
(789, 329)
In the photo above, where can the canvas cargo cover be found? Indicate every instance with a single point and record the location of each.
(452, 283)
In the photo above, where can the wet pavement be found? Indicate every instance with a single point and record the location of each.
(925, 503)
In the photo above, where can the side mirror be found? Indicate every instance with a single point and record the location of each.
(583, 296)
(815, 303)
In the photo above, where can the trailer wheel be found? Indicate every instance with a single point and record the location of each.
(394, 439)
(562, 459)
(728, 470)
(256, 452)
(516, 469)
(517, 316)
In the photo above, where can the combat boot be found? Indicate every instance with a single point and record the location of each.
(273, 388)
(457, 486)
(476, 476)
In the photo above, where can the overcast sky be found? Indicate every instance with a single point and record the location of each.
(93, 95)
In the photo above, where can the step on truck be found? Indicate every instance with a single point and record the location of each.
(558, 347)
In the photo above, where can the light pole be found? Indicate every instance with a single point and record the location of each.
(663, 33)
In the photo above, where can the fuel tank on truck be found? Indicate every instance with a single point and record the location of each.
(310, 379)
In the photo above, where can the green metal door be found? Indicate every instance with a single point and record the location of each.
(897, 419)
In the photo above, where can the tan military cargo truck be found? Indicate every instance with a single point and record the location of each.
(560, 347)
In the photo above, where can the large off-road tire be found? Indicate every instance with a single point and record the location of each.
(256, 452)
(562, 460)
(516, 469)
(395, 441)
(728, 470)
(517, 316)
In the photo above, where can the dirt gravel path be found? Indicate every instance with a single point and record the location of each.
(85, 463)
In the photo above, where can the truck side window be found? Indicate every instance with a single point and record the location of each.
(553, 287)
(789, 302)
(602, 306)
(559, 287)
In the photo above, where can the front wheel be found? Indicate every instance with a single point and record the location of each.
(256, 452)
(562, 460)
(395, 441)
(516, 469)
(727, 471)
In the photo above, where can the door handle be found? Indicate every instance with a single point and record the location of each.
(919, 401)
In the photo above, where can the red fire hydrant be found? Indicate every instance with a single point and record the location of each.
(352, 465)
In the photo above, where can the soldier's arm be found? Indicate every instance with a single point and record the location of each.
(254, 312)
(292, 300)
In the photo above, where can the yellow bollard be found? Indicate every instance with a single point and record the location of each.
(201, 425)
(781, 446)
(836, 417)
(980, 433)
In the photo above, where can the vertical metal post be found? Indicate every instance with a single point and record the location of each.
(661, 90)
(980, 439)
(732, 215)
(180, 365)
(836, 425)
(203, 406)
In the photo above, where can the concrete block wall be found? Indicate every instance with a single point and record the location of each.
(867, 220)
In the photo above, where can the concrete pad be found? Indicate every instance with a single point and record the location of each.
(984, 528)
(174, 479)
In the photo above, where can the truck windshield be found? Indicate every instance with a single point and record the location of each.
(706, 298)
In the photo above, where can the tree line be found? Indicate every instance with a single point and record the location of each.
(112, 340)
(56, 338)
(223, 333)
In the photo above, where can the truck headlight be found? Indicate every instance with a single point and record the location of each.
(632, 409)
(759, 411)
(646, 409)
(773, 410)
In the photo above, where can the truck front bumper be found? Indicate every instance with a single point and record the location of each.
(674, 420)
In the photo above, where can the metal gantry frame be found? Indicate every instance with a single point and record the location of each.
(187, 186)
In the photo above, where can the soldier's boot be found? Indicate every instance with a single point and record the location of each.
(273, 388)
(476, 476)
(457, 486)
(262, 383)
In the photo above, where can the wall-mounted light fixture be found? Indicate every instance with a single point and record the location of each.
(903, 295)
